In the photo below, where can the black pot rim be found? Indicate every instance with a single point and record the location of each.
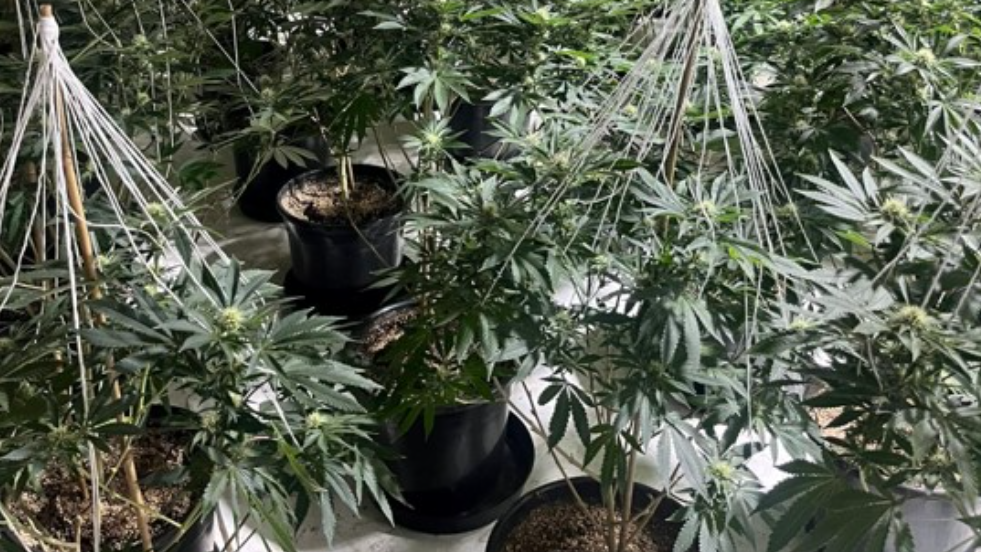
(343, 228)
(503, 529)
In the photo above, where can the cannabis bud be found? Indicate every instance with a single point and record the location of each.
(722, 471)
(156, 211)
(210, 421)
(432, 139)
(562, 160)
(601, 262)
(912, 317)
(707, 208)
(787, 210)
(801, 325)
(316, 421)
(894, 209)
(926, 56)
(230, 320)
(61, 437)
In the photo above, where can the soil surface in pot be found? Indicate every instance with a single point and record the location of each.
(567, 528)
(823, 417)
(64, 498)
(387, 329)
(321, 200)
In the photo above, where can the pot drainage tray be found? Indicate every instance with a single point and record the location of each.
(519, 458)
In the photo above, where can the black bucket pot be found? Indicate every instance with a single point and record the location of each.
(475, 126)
(256, 197)
(453, 465)
(466, 471)
(462, 476)
(558, 492)
(341, 259)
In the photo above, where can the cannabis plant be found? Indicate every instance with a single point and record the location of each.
(481, 300)
(896, 325)
(268, 417)
(141, 58)
(656, 357)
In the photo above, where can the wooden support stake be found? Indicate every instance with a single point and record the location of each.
(95, 292)
(691, 61)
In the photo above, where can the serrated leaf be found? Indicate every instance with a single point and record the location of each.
(580, 419)
(686, 537)
(549, 394)
(559, 422)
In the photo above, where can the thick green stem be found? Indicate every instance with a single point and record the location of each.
(609, 498)
(342, 174)
(628, 491)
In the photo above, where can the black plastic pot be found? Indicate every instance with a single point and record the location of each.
(455, 465)
(354, 306)
(341, 259)
(558, 492)
(475, 125)
(466, 471)
(256, 197)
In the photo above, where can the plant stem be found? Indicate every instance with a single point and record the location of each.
(342, 167)
(644, 518)
(628, 491)
(350, 173)
(553, 453)
(609, 498)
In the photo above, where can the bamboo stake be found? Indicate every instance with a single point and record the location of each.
(671, 161)
(95, 292)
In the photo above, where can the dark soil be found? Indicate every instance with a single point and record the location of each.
(321, 201)
(386, 330)
(63, 503)
(567, 528)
